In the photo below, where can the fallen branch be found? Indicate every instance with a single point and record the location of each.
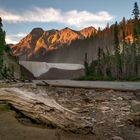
(46, 83)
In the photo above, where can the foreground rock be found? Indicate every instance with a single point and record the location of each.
(41, 107)
(134, 117)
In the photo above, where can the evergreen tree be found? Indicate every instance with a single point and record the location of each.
(136, 11)
(99, 29)
(116, 39)
(99, 54)
(99, 73)
(118, 60)
(136, 32)
(86, 65)
(2, 43)
(2, 37)
(108, 63)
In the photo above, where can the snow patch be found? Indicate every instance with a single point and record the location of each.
(39, 68)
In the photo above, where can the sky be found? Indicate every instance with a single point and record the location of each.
(21, 16)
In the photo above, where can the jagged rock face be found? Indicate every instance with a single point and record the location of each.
(87, 32)
(67, 35)
(39, 41)
(27, 44)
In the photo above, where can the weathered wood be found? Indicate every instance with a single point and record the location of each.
(46, 83)
(43, 108)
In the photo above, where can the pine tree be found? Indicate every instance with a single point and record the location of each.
(118, 60)
(2, 37)
(124, 44)
(136, 11)
(116, 39)
(2, 44)
(99, 54)
(124, 27)
(99, 62)
(86, 64)
(136, 32)
(99, 29)
(108, 63)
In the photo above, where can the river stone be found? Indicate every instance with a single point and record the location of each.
(120, 98)
(135, 106)
(134, 118)
(117, 138)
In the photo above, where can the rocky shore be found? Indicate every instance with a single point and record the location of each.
(114, 115)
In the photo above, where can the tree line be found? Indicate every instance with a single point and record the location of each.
(124, 62)
(6, 72)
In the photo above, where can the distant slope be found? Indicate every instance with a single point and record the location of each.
(55, 73)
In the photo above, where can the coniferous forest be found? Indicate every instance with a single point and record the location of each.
(124, 64)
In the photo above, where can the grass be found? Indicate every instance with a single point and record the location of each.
(133, 78)
(25, 119)
(5, 107)
(95, 78)
(101, 78)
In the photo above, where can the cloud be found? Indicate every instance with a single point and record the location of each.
(10, 40)
(84, 18)
(13, 38)
(74, 18)
(9, 16)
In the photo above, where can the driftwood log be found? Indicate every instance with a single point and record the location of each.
(42, 108)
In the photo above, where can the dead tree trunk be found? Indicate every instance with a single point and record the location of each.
(41, 107)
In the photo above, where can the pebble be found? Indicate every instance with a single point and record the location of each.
(125, 108)
(120, 98)
(117, 138)
(104, 108)
(135, 106)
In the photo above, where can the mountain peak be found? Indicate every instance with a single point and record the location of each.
(88, 31)
(37, 30)
(67, 28)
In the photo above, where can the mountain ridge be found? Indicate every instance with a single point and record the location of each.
(39, 40)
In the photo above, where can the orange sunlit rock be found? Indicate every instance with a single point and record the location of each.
(40, 40)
